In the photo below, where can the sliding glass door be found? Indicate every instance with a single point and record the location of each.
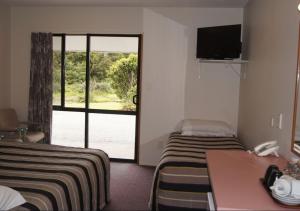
(95, 92)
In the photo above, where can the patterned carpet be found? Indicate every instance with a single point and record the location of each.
(130, 187)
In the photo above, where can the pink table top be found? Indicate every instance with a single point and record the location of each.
(234, 177)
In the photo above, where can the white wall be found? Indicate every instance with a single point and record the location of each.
(164, 60)
(211, 90)
(271, 47)
(4, 56)
(171, 89)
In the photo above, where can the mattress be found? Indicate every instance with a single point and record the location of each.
(53, 177)
(181, 179)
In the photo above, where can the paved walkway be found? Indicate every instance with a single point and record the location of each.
(114, 134)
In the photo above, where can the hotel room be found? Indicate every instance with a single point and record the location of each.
(166, 134)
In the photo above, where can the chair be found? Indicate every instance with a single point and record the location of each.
(12, 128)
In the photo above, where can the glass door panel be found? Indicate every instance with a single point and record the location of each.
(75, 71)
(115, 134)
(68, 128)
(113, 73)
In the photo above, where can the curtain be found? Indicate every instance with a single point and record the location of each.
(40, 91)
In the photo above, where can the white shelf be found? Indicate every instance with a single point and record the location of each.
(237, 61)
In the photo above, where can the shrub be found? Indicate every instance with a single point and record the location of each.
(123, 78)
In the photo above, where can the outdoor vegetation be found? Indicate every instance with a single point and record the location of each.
(113, 80)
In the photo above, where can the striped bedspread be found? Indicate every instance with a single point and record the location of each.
(53, 177)
(181, 180)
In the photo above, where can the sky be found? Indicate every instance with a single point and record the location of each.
(104, 44)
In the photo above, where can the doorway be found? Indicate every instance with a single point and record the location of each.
(96, 83)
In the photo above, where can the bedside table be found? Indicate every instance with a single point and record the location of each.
(10, 138)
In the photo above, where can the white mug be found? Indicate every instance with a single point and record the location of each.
(283, 186)
(295, 192)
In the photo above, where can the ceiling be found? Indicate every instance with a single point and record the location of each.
(130, 3)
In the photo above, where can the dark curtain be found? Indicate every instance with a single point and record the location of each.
(40, 91)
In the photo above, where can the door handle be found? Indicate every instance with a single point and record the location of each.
(134, 99)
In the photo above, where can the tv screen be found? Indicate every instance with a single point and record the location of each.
(220, 42)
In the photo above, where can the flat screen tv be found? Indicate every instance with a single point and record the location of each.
(220, 42)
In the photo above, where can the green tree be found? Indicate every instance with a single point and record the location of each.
(123, 75)
(100, 64)
(75, 67)
(56, 71)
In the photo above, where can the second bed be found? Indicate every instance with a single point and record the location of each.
(181, 179)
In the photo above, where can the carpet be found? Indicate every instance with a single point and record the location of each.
(130, 187)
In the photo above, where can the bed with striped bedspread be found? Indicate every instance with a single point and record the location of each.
(53, 177)
(181, 180)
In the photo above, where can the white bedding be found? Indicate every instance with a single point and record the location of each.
(10, 198)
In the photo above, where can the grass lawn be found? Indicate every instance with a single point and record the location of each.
(104, 101)
(102, 105)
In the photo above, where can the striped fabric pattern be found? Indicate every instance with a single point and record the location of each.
(53, 177)
(181, 179)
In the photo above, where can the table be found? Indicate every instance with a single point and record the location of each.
(235, 179)
(10, 138)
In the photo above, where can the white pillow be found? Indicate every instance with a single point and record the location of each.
(206, 133)
(10, 198)
(207, 126)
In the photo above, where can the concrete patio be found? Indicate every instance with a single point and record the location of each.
(114, 134)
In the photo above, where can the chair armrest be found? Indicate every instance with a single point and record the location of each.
(31, 125)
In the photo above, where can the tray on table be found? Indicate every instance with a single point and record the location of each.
(296, 207)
